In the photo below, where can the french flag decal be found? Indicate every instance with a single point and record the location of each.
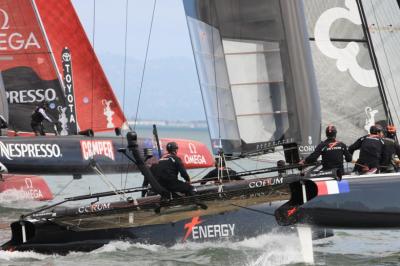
(332, 187)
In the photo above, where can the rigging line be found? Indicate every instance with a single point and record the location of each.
(387, 60)
(124, 81)
(144, 64)
(107, 182)
(93, 62)
(251, 209)
(374, 60)
(63, 188)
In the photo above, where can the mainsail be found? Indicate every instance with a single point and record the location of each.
(255, 73)
(351, 95)
(34, 37)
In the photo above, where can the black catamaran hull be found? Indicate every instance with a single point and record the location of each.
(370, 201)
(65, 155)
(236, 225)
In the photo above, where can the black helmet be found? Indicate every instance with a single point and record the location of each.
(172, 146)
(330, 131)
(375, 129)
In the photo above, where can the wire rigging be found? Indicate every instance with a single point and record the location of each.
(124, 83)
(144, 64)
(387, 61)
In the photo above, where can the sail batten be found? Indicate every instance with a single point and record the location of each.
(252, 77)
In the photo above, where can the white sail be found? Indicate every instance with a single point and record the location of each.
(255, 73)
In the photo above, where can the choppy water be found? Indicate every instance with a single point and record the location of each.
(350, 247)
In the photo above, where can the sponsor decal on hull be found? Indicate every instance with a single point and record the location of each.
(210, 231)
(91, 148)
(29, 150)
(266, 182)
(193, 157)
(94, 208)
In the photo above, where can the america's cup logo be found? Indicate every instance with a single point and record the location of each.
(346, 58)
(108, 112)
(370, 120)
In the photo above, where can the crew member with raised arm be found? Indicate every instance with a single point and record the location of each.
(37, 118)
(371, 148)
(332, 152)
(168, 168)
(390, 148)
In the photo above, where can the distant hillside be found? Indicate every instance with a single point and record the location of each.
(170, 88)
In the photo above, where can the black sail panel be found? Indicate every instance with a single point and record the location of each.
(255, 73)
(350, 95)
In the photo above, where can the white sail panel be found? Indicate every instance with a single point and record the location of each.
(383, 18)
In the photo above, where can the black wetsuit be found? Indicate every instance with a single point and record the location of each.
(332, 152)
(371, 148)
(167, 170)
(225, 174)
(37, 118)
(390, 148)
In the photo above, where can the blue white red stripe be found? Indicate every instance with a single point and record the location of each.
(332, 187)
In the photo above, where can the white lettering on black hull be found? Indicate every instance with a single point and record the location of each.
(91, 148)
(29, 150)
(213, 231)
(94, 208)
(266, 182)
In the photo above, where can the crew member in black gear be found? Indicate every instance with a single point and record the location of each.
(167, 170)
(225, 173)
(371, 148)
(37, 118)
(391, 147)
(332, 152)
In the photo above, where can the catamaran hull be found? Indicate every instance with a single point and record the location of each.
(61, 155)
(48, 237)
(355, 202)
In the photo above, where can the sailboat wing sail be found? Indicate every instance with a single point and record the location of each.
(351, 96)
(255, 73)
(27, 71)
(96, 104)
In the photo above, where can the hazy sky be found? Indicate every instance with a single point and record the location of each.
(169, 40)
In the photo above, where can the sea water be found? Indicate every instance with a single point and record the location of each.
(347, 247)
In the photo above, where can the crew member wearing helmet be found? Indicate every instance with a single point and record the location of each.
(391, 147)
(371, 148)
(168, 168)
(332, 152)
(37, 118)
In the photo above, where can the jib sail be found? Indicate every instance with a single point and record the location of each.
(255, 73)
